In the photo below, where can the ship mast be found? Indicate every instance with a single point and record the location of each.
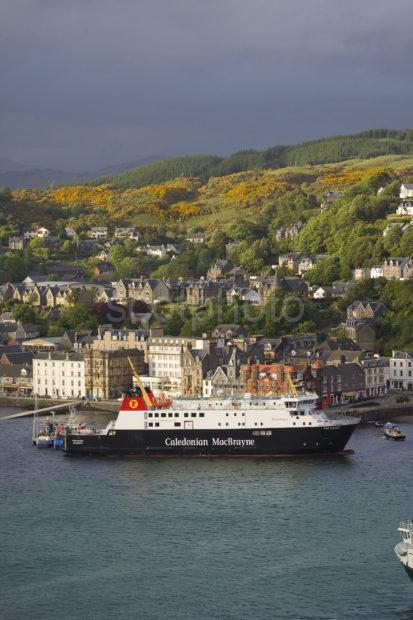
(139, 383)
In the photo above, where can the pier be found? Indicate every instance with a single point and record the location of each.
(43, 410)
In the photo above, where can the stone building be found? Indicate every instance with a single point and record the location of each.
(108, 373)
(110, 339)
(219, 269)
(371, 310)
(16, 380)
(362, 332)
(273, 379)
(393, 268)
(196, 363)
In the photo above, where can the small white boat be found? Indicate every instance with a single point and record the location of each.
(392, 431)
(404, 549)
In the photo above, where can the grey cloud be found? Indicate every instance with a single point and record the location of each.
(92, 82)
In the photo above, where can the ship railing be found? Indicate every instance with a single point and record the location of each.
(406, 525)
(340, 415)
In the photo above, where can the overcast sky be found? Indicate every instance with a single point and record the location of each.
(87, 83)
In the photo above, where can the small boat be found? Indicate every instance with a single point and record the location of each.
(44, 441)
(404, 549)
(378, 424)
(392, 431)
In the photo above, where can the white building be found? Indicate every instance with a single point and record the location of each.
(405, 208)
(376, 272)
(406, 190)
(165, 356)
(401, 371)
(377, 375)
(98, 232)
(126, 232)
(59, 375)
(43, 232)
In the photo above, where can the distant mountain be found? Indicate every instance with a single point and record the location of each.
(15, 175)
(364, 145)
(8, 165)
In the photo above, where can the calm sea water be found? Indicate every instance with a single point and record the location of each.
(204, 539)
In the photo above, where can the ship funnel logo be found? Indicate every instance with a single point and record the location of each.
(133, 404)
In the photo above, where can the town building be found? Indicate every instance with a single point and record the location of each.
(98, 232)
(342, 384)
(165, 360)
(16, 380)
(362, 332)
(59, 375)
(219, 269)
(377, 375)
(275, 379)
(110, 339)
(197, 237)
(17, 243)
(108, 373)
(401, 369)
(406, 191)
(372, 310)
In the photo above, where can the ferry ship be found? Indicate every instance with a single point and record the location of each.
(404, 549)
(190, 426)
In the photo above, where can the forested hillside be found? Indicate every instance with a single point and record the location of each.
(367, 144)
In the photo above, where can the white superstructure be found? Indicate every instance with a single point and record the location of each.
(226, 414)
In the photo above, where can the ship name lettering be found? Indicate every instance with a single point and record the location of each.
(185, 442)
(230, 441)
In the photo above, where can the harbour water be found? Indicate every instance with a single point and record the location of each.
(299, 539)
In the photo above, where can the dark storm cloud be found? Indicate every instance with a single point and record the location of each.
(91, 82)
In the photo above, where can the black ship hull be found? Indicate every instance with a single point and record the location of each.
(210, 443)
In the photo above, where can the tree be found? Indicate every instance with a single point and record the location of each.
(14, 267)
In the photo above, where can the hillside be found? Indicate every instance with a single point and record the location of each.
(367, 144)
(15, 175)
(248, 208)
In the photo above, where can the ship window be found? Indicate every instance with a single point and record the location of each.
(202, 415)
(227, 414)
(269, 433)
(156, 415)
(193, 415)
(150, 415)
(156, 423)
(170, 415)
(227, 424)
(150, 423)
(163, 415)
(293, 423)
(177, 424)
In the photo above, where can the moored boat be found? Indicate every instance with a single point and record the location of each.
(247, 426)
(404, 549)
